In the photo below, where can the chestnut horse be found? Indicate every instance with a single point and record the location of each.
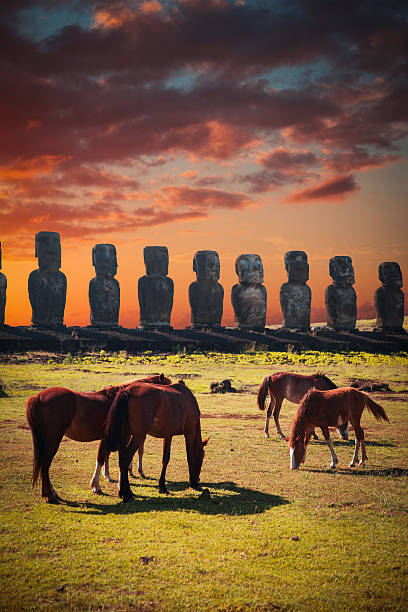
(292, 387)
(80, 416)
(162, 412)
(331, 408)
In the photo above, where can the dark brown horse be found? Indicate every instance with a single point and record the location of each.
(292, 387)
(162, 412)
(326, 409)
(56, 412)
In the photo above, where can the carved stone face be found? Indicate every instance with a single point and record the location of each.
(206, 264)
(156, 260)
(296, 266)
(48, 250)
(390, 274)
(341, 270)
(104, 259)
(249, 269)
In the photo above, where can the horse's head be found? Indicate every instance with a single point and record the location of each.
(297, 449)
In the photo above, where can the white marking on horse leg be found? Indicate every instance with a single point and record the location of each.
(105, 470)
(363, 454)
(292, 459)
(333, 454)
(95, 486)
(355, 456)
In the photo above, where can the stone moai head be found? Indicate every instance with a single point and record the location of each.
(297, 266)
(206, 264)
(341, 270)
(156, 260)
(389, 273)
(48, 250)
(104, 260)
(249, 269)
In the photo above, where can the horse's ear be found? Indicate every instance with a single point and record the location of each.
(205, 442)
(181, 382)
(162, 377)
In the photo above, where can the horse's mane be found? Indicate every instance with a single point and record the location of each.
(326, 378)
(111, 391)
(298, 427)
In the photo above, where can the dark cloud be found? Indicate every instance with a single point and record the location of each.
(336, 188)
(323, 92)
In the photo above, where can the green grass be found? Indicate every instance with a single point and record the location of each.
(268, 538)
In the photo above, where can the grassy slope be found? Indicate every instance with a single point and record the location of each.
(267, 539)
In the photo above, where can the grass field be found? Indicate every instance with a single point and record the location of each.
(267, 538)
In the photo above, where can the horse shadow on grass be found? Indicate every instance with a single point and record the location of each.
(382, 472)
(372, 443)
(215, 498)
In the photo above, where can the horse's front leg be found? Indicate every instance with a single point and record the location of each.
(140, 464)
(166, 459)
(105, 470)
(356, 449)
(326, 434)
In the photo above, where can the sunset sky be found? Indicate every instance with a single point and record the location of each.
(241, 126)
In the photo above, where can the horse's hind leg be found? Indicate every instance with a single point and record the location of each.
(359, 433)
(166, 459)
(268, 416)
(102, 462)
(326, 434)
(140, 462)
(47, 490)
(126, 453)
(276, 412)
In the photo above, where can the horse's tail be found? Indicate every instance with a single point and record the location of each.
(376, 410)
(263, 392)
(34, 421)
(116, 419)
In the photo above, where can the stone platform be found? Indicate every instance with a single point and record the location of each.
(224, 339)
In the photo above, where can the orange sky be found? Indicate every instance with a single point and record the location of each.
(202, 125)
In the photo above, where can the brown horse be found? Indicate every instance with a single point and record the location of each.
(56, 412)
(292, 387)
(326, 409)
(162, 412)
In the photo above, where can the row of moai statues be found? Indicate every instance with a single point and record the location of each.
(47, 291)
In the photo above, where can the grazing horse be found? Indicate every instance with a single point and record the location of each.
(292, 387)
(80, 416)
(331, 408)
(162, 412)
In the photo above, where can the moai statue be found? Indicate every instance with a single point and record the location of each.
(104, 290)
(47, 286)
(389, 299)
(3, 290)
(249, 296)
(295, 295)
(206, 295)
(155, 289)
(340, 297)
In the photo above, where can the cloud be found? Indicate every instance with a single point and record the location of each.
(336, 188)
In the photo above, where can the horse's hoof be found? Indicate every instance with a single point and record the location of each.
(97, 491)
(142, 475)
(109, 479)
(266, 434)
(361, 464)
(52, 499)
(332, 466)
(164, 491)
(352, 464)
(131, 474)
(127, 499)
